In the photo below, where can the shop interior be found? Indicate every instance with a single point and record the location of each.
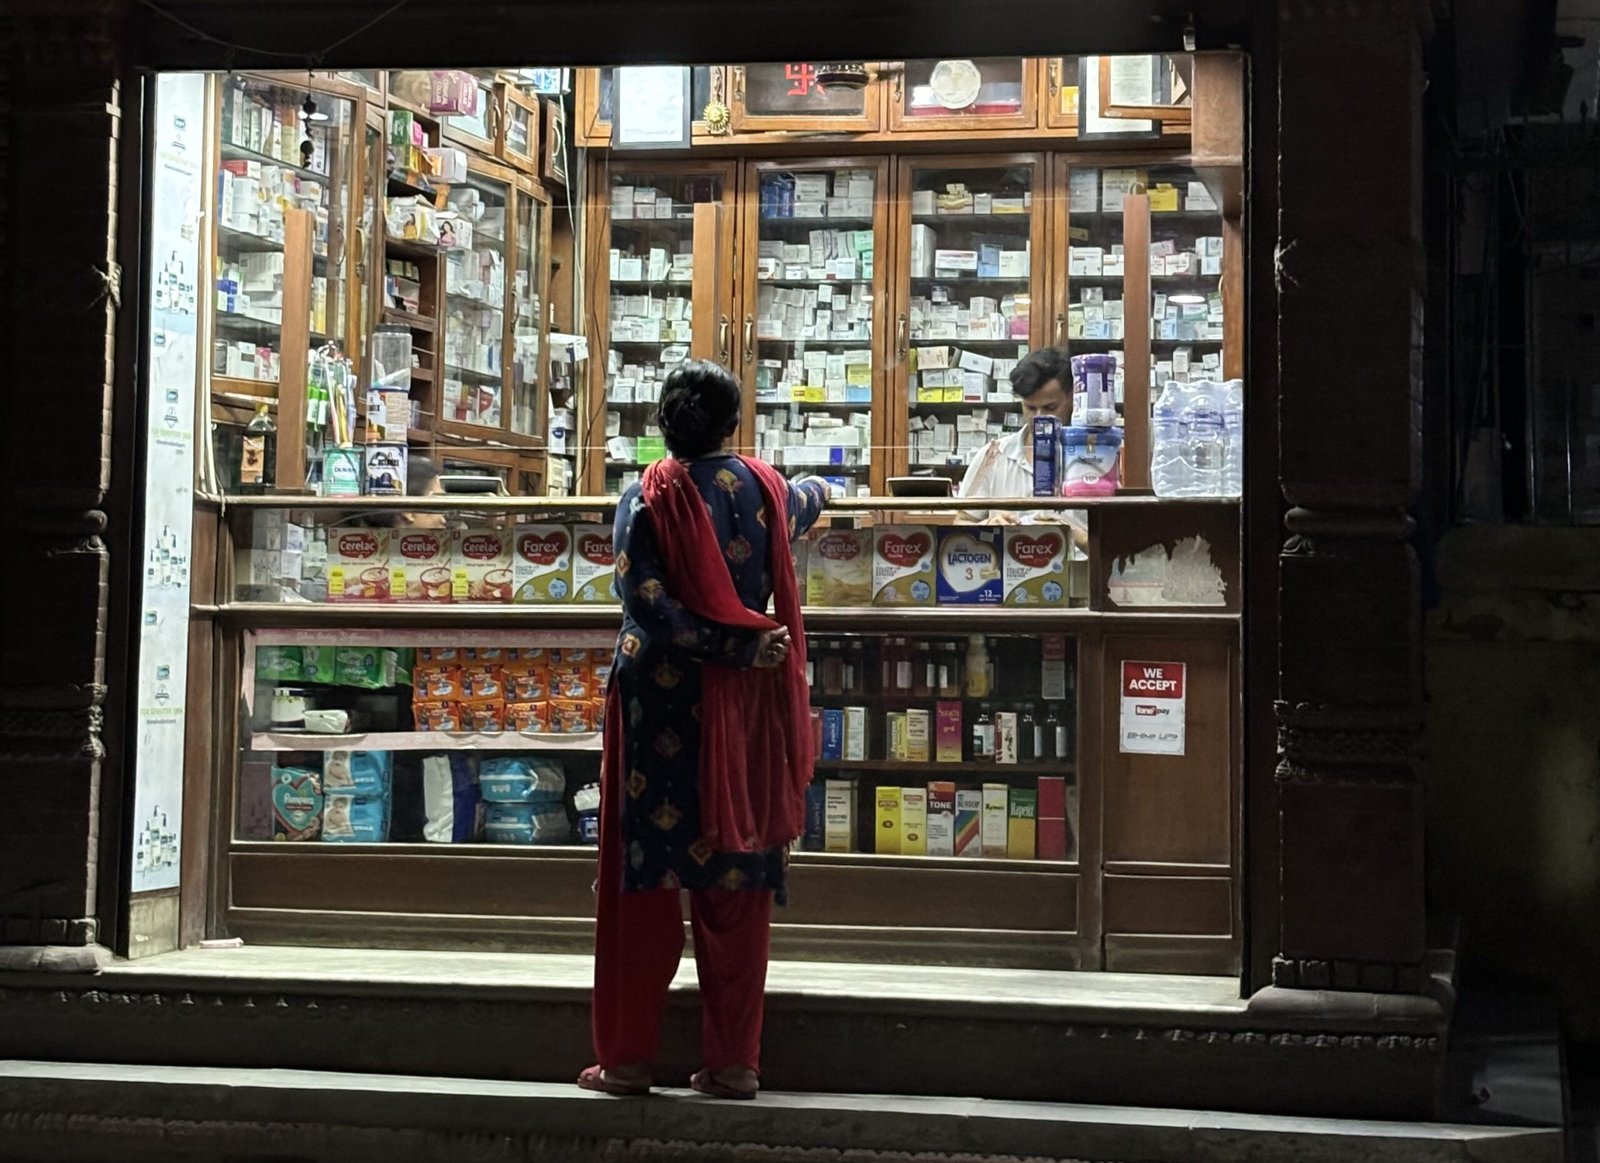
(416, 323)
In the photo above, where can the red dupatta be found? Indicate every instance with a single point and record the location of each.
(756, 746)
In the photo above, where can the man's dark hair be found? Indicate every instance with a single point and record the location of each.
(699, 408)
(1038, 368)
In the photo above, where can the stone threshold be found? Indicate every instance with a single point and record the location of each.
(68, 1111)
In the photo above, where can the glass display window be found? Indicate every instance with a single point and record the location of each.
(971, 294)
(944, 95)
(792, 96)
(814, 322)
(474, 242)
(529, 289)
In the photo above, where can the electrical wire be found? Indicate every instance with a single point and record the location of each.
(312, 59)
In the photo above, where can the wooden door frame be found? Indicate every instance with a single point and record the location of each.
(1028, 118)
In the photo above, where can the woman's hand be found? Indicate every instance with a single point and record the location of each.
(772, 648)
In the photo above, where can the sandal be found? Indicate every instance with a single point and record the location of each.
(706, 1083)
(596, 1079)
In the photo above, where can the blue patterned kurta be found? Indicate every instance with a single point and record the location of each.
(659, 655)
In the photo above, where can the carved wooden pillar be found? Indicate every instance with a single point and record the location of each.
(1350, 284)
(59, 298)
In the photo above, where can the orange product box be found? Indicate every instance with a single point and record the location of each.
(450, 654)
(570, 716)
(597, 714)
(482, 682)
(483, 716)
(527, 681)
(571, 677)
(531, 718)
(437, 716)
(435, 683)
(497, 654)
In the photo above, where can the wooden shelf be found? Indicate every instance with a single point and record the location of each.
(840, 506)
(412, 248)
(411, 319)
(238, 153)
(966, 770)
(424, 741)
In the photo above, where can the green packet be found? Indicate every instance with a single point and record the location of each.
(317, 664)
(368, 667)
(278, 663)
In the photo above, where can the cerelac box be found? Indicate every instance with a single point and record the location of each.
(1035, 566)
(969, 567)
(358, 565)
(541, 567)
(419, 565)
(594, 565)
(839, 568)
(903, 566)
(480, 565)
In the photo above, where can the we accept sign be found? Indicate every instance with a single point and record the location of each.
(1153, 707)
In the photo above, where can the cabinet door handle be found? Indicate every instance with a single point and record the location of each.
(1054, 74)
(1061, 328)
(722, 341)
(749, 338)
(899, 87)
(900, 341)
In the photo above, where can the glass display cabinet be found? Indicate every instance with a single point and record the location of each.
(657, 297)
(988, 93)
(814, 326)
(970, 294)
(788, 97)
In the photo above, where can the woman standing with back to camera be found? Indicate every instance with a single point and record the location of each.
(708, 745)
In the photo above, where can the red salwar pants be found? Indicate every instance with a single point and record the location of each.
(638, 941)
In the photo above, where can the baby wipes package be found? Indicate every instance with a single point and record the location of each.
(542, 565)
(1035, 566)
(419, 565)
(839, 568)
(594, 565)
(969, 567)
(480, 565)
(367, 667)
(355, 820)
(296, 803)
(903, 566)
(368, 774)
(358, 564)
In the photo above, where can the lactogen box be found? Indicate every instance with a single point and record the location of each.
(902, 566)
(839, 568)
(1035, 566)
(594, 565)
(541, 567)
(358, 564)
(480, 565)
(969, 567)
(419, 565)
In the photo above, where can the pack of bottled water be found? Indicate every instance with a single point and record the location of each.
(1197, 439)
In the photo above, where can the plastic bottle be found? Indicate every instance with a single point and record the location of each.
(1029, 742)
(1168, 473)
(983, 735)
(1233, 432)
(977, 667)
(1049, 732)
(1204, 441)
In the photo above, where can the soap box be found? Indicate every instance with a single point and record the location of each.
(839, 568)
(970, 568)
(903, 566)
(358, 564)
(1035, 566)
(419, 565)
(594, 564)
(542, 568)
(480, 565)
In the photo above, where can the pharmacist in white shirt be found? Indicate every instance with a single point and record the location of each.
(1042, 380)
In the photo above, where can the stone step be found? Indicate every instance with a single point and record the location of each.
(64, 1112)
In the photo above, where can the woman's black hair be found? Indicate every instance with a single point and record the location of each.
(699, 408)
(1038, 368)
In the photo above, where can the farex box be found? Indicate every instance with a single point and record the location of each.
(970, 571)
(541, 565)
(903, 566)
(594, 564)
(1035, 566)
(358, 565)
